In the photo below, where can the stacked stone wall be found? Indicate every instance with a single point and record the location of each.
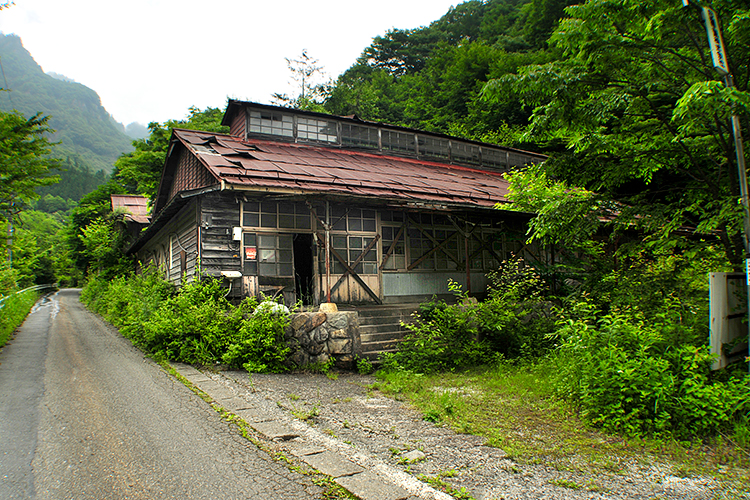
(317, 337)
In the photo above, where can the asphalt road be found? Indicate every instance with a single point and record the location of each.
(84, 415)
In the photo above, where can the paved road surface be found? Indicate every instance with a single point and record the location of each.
(84, 415)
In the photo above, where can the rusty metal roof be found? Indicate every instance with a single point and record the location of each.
(134, 206)
(262, 165)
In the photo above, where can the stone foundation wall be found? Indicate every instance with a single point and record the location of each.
(316, 337)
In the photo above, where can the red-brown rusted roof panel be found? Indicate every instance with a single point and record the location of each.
(131, 204)
(327, 169)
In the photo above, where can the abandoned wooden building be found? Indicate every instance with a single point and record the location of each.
(323, 208)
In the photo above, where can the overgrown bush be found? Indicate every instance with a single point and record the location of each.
(517, 317)
(259, 345)
(514, 321)
(15, 307)
(198, 325)
(628, 375)
(441, 338)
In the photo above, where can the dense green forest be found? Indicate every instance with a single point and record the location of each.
(82, 126)
(433, 77)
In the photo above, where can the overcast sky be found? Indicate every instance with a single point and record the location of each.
(149, 60)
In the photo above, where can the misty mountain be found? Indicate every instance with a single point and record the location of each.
(136, 130)
(85, 130)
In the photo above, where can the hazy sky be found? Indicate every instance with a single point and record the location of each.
(149, 60)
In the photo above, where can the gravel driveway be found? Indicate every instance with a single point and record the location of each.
(371, 428)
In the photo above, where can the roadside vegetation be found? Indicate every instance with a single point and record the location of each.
(195, 325)
(14, 307)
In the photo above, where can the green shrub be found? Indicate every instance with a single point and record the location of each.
(444, 339)
(515, 321)
(260, 345)
(197, 325)
(628, 376)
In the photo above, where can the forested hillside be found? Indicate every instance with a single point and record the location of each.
(432, 77)
(86, 132)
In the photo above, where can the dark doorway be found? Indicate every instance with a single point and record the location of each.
(303, 268)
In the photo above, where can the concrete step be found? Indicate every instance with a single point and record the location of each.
(380, 320)
(380, 328)
(379, 337)
(377, 347)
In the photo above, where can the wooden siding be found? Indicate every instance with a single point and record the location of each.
(165, 249)
(238, 127)
(190, 174)
(219, 213)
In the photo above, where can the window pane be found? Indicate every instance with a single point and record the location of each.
(268, 207)
(355, 242)
(268, 220)
(339, 242)
(286, 221)
(249, 239)
(266, 241)
(355, 224)
(267, 269)
(268, 255)
(250, 219)
(286, 270)
(250, 268)
(285, 241)
(368, 225)
(286, 208)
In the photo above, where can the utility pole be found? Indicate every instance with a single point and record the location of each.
(721, 65)
(10, 236)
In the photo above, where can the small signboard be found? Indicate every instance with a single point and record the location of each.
(251, 253)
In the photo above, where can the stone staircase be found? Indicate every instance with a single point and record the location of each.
(380, 328)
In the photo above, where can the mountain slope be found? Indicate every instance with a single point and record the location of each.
(83, 127)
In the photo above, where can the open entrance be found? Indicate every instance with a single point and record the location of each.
(303, 268)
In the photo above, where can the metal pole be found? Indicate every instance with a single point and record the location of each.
(10, 238)
(328, 252)
(721, 65)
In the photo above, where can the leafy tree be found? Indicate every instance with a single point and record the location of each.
(432, 77)
(96, 205)
(24, 164)
(643, 122)
(305, 71)
(103, 240)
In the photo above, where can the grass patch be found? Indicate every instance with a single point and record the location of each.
(513, 408)
(13, 313)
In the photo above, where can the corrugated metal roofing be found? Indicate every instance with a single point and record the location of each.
(135, 207)
(254, 163)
